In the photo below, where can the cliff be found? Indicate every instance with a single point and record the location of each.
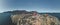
(5, 17)
(34, 18)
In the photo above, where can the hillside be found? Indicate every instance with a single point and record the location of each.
(5, 17)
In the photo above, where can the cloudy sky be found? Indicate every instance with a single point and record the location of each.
(30, 5)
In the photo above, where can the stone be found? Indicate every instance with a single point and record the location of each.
(30, 19)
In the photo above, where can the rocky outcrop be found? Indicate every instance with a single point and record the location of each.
(30, 19)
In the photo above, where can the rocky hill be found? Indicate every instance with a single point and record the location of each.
(33, 18)
(5, 17)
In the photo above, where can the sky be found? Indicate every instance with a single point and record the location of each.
(30, 5)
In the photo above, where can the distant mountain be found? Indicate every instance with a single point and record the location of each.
(20, 12)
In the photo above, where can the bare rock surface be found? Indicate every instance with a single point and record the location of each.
(34, 19)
